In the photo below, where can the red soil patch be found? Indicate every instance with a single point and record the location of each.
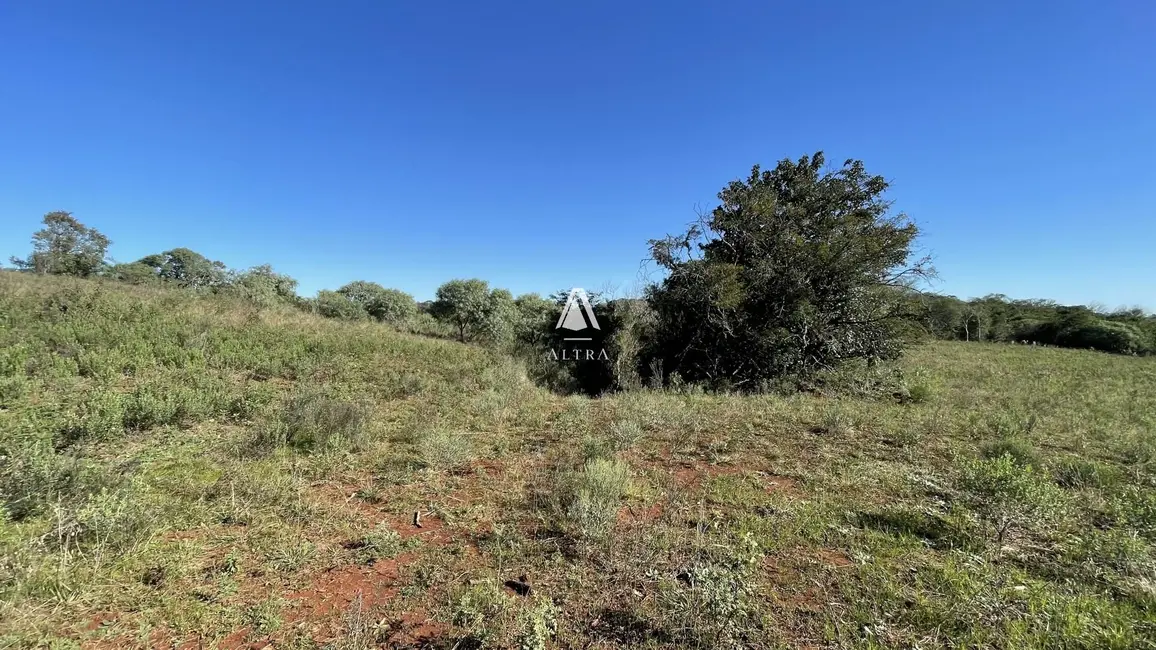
(432, 530)
(101, 619)
(489, 467)
(414, 629)
(777, 483)
(630, 515)
(320, 608)
(787, 579)
(690, 474)
(834, 557)
(235, 641)
(334, 591)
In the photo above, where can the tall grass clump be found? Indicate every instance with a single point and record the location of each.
(624, 434)
(594, 495)
(313, 421)
(444, 449)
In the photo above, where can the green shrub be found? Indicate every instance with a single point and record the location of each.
(262, 286)
(1082, 473)
(113, 519)
(388, 305)
(313, 421)
(382, 542)
(1133, 507)
(248, 402)
(12, 389)
(624, 434)
(836, 419)
(291, 555)
(331, 304)
(714, 599)
(1104, 335)
(762, 288)
(1019, 450)
(1120, 551)
(595, 494)
(444, 449)
(33, 478)
(264, 617)
(392, 306)
(478, 609)
(1008, 495)
(426, 325)
(151, 406)
(919, 393)
(101, 416)
(537, 625)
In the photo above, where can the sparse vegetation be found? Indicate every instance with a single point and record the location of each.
(444, 449)
(131, 419)
(192, 455)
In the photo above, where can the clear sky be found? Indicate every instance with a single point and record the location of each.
(539, 145)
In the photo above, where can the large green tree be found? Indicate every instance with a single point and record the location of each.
(796, 271)
(65, 247)
(187, 268)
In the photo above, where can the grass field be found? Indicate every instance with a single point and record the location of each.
(184, 471)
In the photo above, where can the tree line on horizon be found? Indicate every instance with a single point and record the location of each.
(799, 271)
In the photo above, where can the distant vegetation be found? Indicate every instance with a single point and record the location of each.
(999, 318)
(797, 276)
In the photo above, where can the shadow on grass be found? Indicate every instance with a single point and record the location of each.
(623, 627)
(936, 531)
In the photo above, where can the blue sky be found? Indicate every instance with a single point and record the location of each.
(539, 145)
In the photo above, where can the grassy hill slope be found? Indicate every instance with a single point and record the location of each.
(184, 471)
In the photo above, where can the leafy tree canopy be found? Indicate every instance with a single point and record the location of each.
(264, 286)
(387, 305)
(187, 268)
(336, 305)
(797, 270)
(134, 273)
(473, 310)
(65, 247)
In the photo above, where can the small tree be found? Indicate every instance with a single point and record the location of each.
(65, 247)
(473, 310)
(462, 304)
(535, 315)
(187, 268)
(362, 292)
(501, 316)
(943, 316)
